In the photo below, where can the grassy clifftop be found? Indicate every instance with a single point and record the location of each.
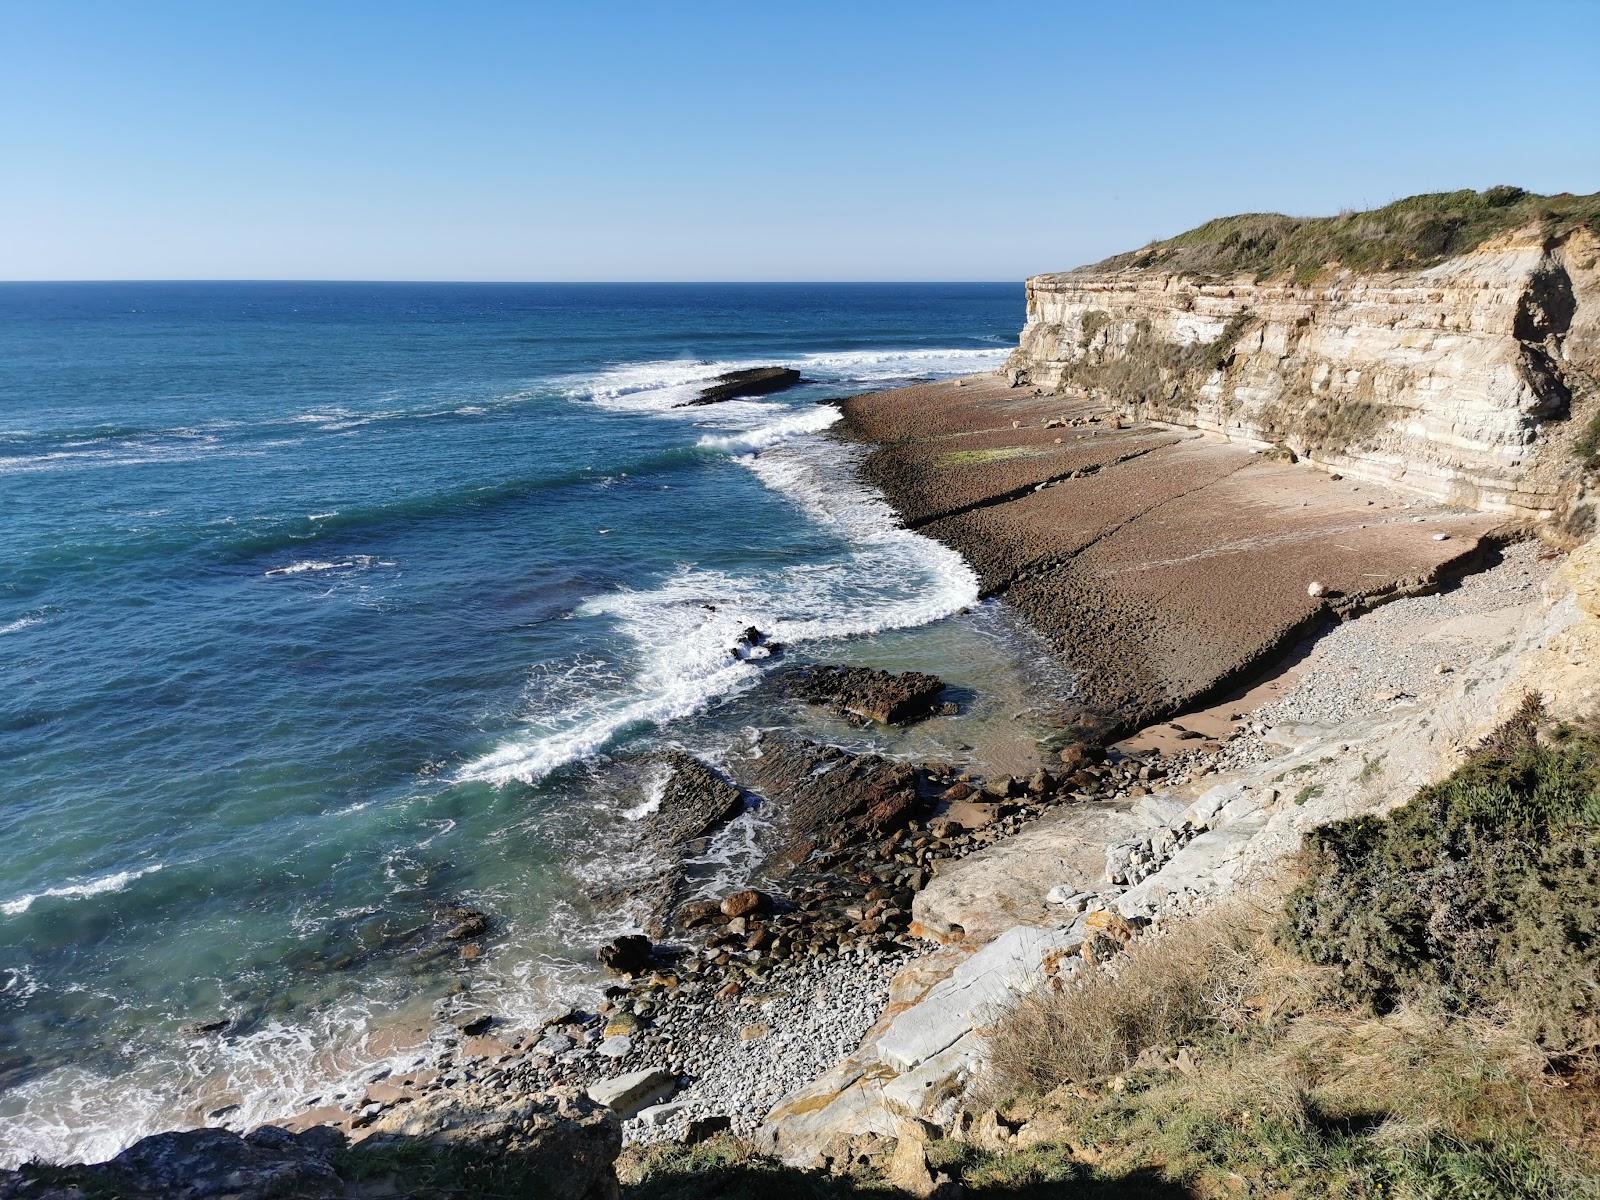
(1418, 231)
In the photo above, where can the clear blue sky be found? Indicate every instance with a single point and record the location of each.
(862, 140)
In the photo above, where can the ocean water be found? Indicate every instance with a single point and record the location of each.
(322, 606)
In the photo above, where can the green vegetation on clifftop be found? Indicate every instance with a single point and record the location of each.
(1418, 231)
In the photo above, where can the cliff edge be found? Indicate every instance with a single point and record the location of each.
(1447, 343)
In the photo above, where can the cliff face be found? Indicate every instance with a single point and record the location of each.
(1469, 380)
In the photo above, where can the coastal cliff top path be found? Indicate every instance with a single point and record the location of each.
(1162, 564)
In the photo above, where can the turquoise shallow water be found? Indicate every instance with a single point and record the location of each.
(324, 605)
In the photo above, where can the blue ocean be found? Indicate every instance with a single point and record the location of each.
(325, 605)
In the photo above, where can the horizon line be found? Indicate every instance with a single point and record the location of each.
(542, 282)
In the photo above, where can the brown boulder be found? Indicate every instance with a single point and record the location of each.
(741, 904)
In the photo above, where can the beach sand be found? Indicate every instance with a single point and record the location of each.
(1161, 565)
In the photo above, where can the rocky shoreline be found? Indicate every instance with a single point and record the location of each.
(727, 1005)
(773, 1010)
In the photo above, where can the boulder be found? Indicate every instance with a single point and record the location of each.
(463, 923)
(754, 381)
(627, 1094)
(869, 695)
(629, 954)
(740, 904)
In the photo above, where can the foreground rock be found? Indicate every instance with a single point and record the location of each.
(756, 381)
(559, 1146)
(829, 798)
(869, 695)
(1079, 884)
(695, 800)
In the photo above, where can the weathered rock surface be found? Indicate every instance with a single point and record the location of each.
(1455, 380)
(868, 694)
(695, 800)
(755, 381)
(267, 1162)
(626, 1094)
(1159, 565)
(828, 797)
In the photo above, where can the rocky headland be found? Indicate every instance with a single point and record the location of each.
(1307, 511)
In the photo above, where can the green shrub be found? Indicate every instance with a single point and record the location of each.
(1482, 891)
(1415, 232)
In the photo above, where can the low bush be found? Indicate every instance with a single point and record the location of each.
(1481, 892)
(1417, 231)
(1194, 981)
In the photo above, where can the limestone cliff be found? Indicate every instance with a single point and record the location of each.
(1470, 378)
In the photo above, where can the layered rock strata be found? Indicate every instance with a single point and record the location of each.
(1461, 381)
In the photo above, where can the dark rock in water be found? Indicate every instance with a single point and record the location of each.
(694, 801)
(471, 1023)
(464, 923)
(629, 954)
(757, 381)
(196, 1029)
(829, 798)
(752, 643)
(868, 694)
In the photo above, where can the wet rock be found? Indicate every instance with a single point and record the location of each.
(755, 381)
(464, 923)
(828, 798)
(629, 954)
(197, 1029)
(694, 801)
(868, 694)
(697, 913)
(471, 1023)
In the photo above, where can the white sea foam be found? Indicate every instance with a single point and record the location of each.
(17, 985)
(21, 623)
(74, 1113)
(810, 420)
(682, 631)
(358, 562)
(662, 384)
(78, 891)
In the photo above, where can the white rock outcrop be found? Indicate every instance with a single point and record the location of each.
(1454, 380)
